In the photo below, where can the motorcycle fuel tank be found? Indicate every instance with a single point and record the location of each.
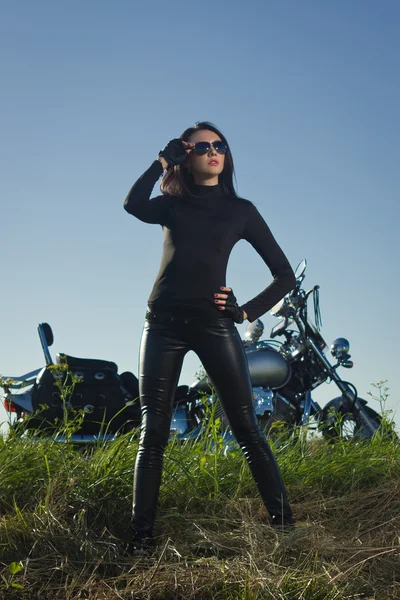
(268, 368)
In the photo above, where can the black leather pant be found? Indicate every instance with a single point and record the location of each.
(165, 341)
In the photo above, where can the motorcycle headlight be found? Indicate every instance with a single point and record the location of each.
(278, 309)
(340, 347)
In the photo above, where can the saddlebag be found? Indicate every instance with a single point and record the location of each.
(98, 393)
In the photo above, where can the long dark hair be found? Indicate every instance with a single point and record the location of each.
(179, 182)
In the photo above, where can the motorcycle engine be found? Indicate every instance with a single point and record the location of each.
(269, 406)
(283, 410)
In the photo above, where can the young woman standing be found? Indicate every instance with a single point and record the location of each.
(191, 308)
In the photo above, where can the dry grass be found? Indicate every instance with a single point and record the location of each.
(66, 528)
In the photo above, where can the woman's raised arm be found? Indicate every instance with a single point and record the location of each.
(138, 203)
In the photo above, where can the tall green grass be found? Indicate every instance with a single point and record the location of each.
(65, 520)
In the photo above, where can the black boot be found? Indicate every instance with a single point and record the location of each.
(140, 544)
(283, 525)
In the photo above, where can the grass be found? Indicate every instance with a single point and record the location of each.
(65, 516)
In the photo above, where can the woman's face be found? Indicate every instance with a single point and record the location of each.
(200, 165)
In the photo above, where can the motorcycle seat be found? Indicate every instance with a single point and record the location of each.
(86, 363)
(181, 394)
(203, 385)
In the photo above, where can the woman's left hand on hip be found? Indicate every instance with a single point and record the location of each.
(220, 298)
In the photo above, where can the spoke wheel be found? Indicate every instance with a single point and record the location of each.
(348, 426)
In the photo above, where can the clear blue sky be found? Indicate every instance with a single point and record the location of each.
(307, 94)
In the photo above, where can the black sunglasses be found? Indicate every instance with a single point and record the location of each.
(203, 147)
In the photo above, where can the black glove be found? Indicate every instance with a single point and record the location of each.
(232, 309)
(174, 152)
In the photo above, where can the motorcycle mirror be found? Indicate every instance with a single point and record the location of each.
(300, 269)
(254, 330)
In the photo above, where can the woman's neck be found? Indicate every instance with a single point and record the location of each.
(200, 189)
(214, 180)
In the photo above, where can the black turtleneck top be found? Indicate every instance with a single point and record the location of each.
(199, 234)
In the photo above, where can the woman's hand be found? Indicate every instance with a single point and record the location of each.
(227, 301)
(175, 152)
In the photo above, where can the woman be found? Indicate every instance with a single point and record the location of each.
(190, 308)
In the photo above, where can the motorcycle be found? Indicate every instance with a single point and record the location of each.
(285, 373)
(283, 376)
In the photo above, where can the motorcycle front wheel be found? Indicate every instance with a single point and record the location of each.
(348, 426)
